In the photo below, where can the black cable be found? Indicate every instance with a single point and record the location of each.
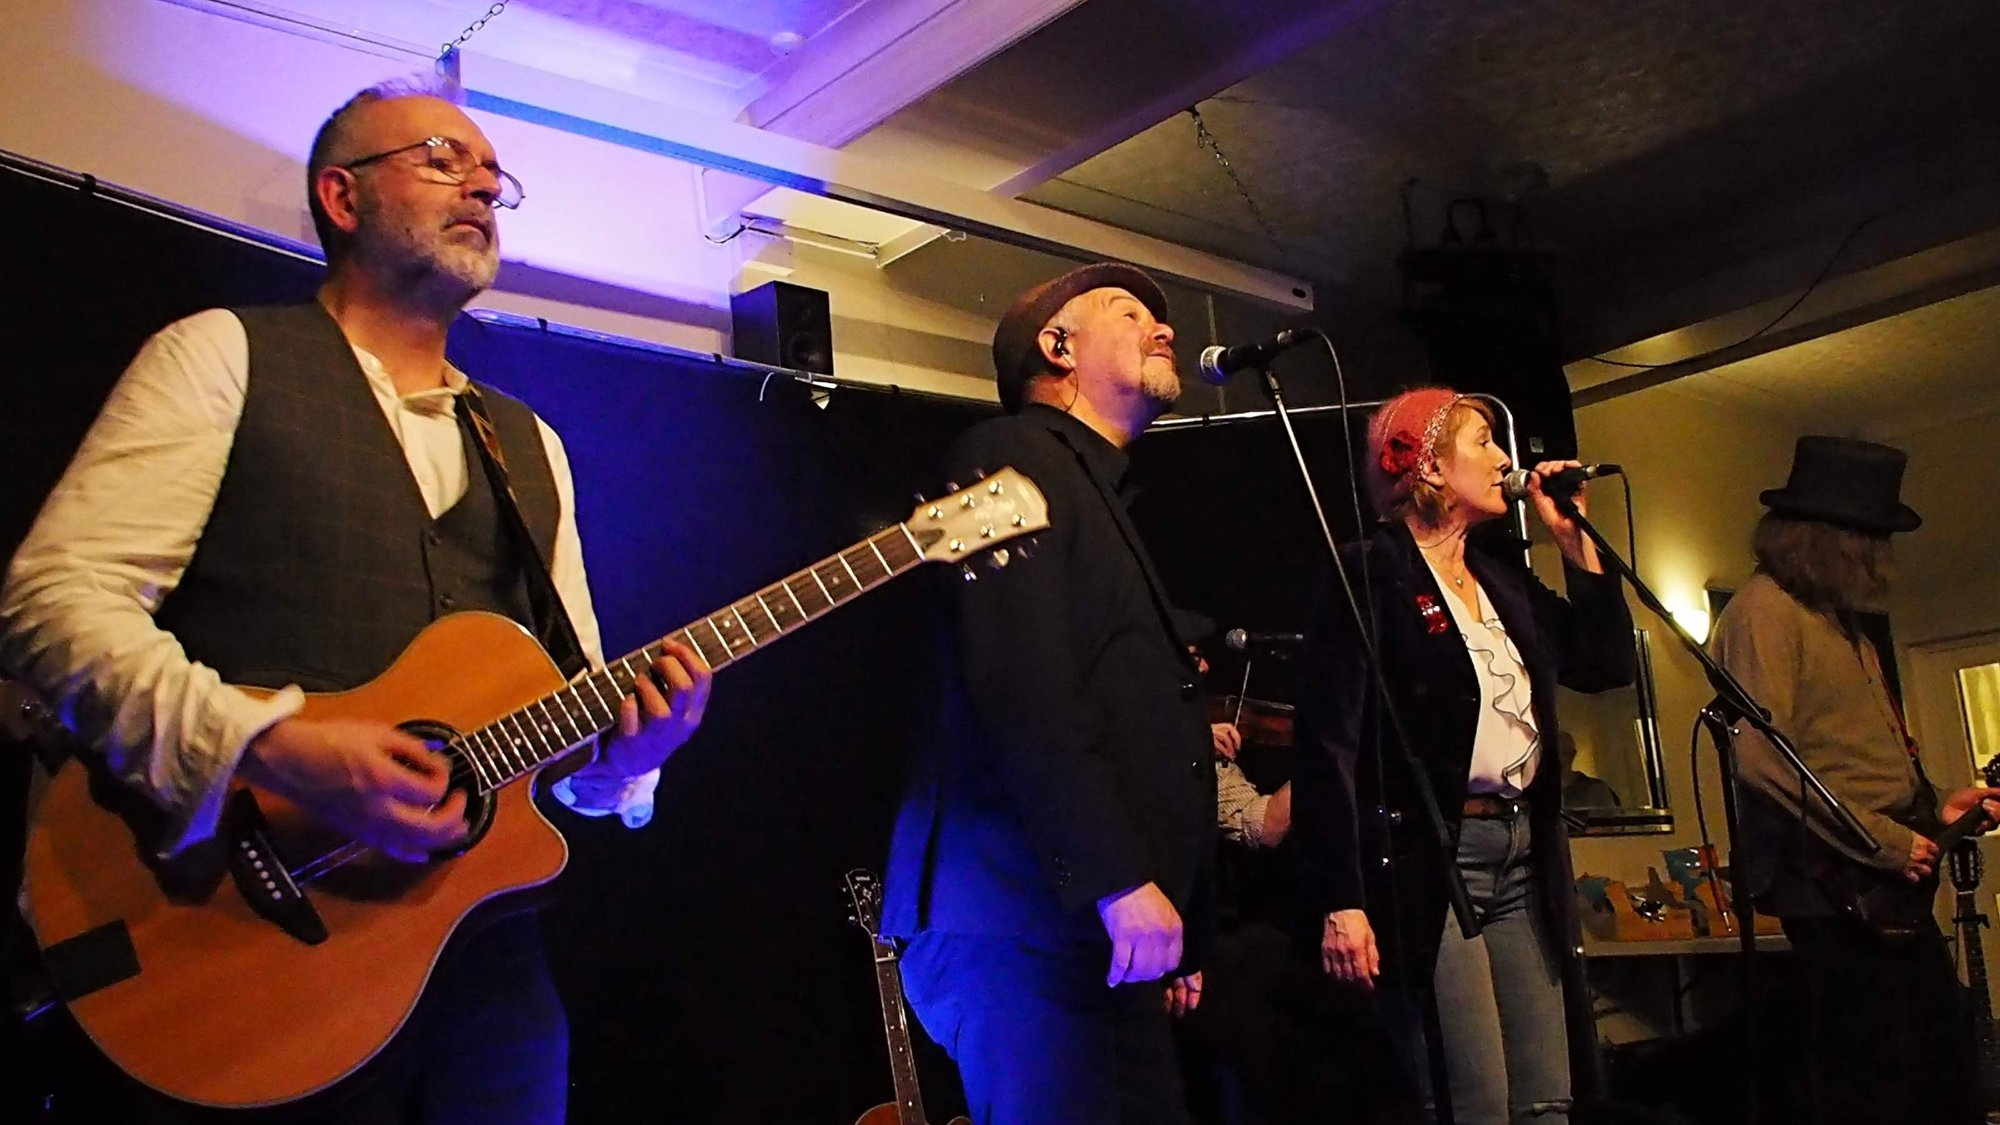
(1774, 322)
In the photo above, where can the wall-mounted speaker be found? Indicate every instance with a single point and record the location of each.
(784, 325)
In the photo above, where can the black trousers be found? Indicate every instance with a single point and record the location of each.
(487, 1045)
(1038, 1037)
(1888, 1036)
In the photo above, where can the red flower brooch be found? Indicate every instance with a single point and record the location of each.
(1435, 621)
(1400, 453)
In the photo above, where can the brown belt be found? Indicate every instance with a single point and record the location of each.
(1489, 807)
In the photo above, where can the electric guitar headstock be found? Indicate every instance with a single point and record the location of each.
(864, 901)
(1003, 505)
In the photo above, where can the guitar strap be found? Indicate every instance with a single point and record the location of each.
(552, 624)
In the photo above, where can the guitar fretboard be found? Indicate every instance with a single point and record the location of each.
(544, 730)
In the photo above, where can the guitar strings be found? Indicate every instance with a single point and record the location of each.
(462, 775)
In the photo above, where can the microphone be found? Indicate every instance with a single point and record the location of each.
(1565, 483)
(1219, 363)
(1243, 640)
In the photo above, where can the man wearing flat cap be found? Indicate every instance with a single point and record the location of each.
(1052, 862)
(1885, 1035)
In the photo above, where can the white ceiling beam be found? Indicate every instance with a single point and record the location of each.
(909, 193)
(856, 74)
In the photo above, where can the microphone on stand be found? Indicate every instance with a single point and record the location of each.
(1243, 640)
(1219, 363)
(1568, 482)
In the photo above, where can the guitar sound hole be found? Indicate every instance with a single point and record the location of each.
(479, 806)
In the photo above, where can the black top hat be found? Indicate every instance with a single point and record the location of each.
(1016, 356)
(1845, 481)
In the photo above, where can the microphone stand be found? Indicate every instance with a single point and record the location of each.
(1732, 707)
(1420, 781)
(1433, 813)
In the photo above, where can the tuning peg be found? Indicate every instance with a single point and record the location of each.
(951, 486)
(979, 474)
(1027, 548)
(998, 559)
(922, 499)
(965, 570)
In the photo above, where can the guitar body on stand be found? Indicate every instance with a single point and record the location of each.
(864, 900)
(280, 959)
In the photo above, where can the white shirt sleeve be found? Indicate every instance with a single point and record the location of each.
(632, 800)
(111, 542)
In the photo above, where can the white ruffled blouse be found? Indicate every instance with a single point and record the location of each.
(1506, 747)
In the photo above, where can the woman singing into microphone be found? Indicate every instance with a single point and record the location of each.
(1472, 647)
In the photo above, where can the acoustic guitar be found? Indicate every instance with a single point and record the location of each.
(864, 903)
(1966, 872)
(277, 960)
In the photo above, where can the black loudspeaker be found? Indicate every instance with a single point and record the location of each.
(784, 325)
(1487, 316)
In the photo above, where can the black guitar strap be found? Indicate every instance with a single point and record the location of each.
(552, 624)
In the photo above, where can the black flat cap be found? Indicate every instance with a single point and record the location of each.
(1016, 356)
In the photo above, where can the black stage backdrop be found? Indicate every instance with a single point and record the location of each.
(707, 962)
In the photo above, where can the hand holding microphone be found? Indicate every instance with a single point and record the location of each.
(1550, 486)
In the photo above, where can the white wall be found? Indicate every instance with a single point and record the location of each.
(1947, 584)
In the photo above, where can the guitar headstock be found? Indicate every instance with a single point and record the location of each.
(1001, 506)
(864, 900)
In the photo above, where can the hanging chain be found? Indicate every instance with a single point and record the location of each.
(1205, 139)
(472, 28)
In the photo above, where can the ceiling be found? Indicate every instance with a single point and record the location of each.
(1686, 166)
(1883, 379)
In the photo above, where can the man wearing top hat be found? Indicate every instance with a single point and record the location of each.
(1052, 860)
(1884, 1033)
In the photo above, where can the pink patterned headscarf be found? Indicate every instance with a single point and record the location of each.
(1402, 438)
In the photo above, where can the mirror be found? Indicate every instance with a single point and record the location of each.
(1614, 775)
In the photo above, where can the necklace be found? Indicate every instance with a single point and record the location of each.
(1457, 580)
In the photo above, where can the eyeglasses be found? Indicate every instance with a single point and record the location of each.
(449, 162)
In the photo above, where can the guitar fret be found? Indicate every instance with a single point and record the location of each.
(496, 757)
(728, 653)
(814, 571)
(693, 644)
(748, 632)
(517, 739)
(850, 571)
(786, 585)
(469, 752)
(596, 723)
(570, 717)
(916, 552)
(524, 727)
(776, 625)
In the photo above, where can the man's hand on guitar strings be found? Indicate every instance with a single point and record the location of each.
(652, 723)
(371, 781)
(1923, 859)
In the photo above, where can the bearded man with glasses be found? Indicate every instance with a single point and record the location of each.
(283, 498)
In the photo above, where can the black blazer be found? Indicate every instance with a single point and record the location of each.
(1355, 819)
(1069, 755)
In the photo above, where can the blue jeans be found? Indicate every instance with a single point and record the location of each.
(1499, 996)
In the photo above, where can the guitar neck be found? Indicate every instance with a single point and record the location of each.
(896, 1029)
(518, 743)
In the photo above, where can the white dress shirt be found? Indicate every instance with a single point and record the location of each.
(1506, 747)
(117, 533)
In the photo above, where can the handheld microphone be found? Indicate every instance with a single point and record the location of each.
(1243, 640)
(1565, 483)
(1219, 363)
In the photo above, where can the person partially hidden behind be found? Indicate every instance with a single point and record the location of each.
(1052, 861)
(282, 498)
(1886, 1033)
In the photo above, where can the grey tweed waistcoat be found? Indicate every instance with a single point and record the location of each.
(320, 561)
